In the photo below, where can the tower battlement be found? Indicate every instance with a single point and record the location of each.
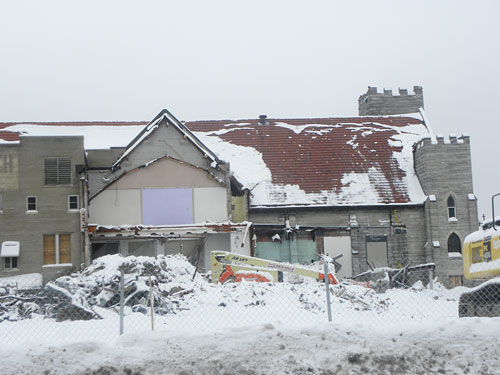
(373, 103)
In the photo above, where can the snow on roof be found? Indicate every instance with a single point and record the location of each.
(326, 161)
(153, 125)
(294, 162)
(97, 135)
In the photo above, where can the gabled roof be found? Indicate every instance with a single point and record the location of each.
(164, 115)
(320, 161)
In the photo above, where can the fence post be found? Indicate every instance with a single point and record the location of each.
(122, 299)
(327, 288)
(152, 303)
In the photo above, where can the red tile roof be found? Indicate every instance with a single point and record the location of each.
(332, 160)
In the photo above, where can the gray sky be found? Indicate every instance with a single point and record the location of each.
(126, 60)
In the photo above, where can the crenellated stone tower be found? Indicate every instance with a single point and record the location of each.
(443, 166)
(373, 103)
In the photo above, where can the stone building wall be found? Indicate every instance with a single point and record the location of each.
(444, 170)
(52, 215)
(402, 226)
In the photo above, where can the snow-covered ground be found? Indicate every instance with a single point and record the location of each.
(465, 346)
(245, 328)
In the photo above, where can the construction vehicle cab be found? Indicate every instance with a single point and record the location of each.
(481, 257)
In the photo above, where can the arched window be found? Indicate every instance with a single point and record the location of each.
(454, 244)
(452, 210)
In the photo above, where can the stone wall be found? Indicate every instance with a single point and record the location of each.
(52, 215)
(444, 169)
(373, 103)
(402, 226)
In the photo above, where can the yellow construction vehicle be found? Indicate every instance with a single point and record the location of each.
(481, 257)
(481, 252)
(236, 267)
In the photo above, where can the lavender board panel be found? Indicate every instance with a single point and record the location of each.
(167, 206)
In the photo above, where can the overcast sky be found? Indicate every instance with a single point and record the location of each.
(126, 60)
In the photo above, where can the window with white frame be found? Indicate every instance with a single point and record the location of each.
(73, 203)
(31, 203)
(1, 202)
(452, 210)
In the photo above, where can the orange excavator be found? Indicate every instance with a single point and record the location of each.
(228, 266)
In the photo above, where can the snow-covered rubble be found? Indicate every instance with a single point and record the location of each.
(184, 298)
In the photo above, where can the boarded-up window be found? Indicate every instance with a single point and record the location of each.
(56, 248)
(57, 171)
(376, 251)
(167, 206)
(456, 281)
(49, 249)
(64, 248)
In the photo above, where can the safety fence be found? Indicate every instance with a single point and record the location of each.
(133, 294)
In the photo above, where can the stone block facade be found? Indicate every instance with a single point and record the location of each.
(49, 213)
(373, 103)
(444, 169)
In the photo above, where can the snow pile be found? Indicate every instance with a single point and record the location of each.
(453, 346)
(26, 281)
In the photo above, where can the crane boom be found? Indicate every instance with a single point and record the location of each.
(226, 265)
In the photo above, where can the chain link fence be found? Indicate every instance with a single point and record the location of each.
(133, 294)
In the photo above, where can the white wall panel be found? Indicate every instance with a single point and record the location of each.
(210, 204)
(116, 207)
(340, 245)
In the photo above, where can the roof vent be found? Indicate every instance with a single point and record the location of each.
(262, 120)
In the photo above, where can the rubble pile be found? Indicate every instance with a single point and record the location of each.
(76, 297)
(170, 286)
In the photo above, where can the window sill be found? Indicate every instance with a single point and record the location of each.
(10, 270)
(452, 220)
(31, 212)
(77, 211)
(1, 212)
(57, 265)
(455, 255)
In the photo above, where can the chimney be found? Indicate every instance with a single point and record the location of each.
(262, 120)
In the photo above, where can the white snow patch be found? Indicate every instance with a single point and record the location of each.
(247, 164)
(25, 281)
(95, 136)
(297, 129)
(485, 266)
